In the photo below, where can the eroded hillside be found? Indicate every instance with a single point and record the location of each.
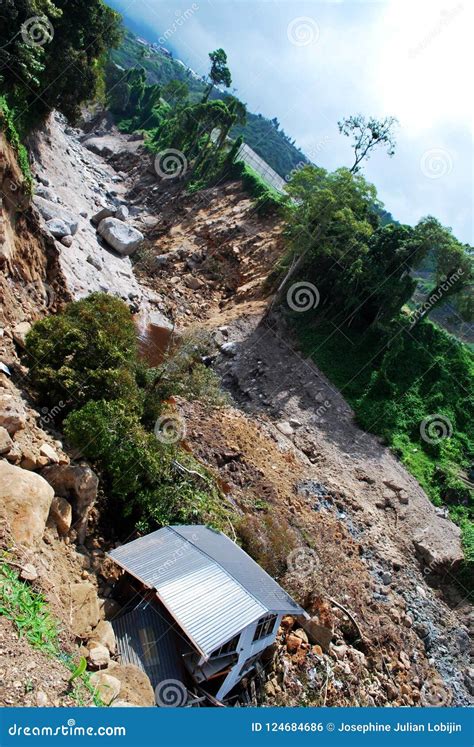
(325, 507)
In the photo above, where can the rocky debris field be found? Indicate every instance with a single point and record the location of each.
(325, 507)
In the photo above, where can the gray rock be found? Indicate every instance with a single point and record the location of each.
(105, 212)
(94, 261)
(285, 428)
(67, 240)
(47, 193)
(50, 210)
(100, 146)
(386, 578)
(120, 236)
(122, 213)
(58, 228)
(229, 348)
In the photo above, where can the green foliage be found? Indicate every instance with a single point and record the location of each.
(87, 352)
(138, 470)
(51, 50)
(265, 136)
(219, 73)
(368, 134)
(267, 200)
(183, 374)
(86, 359)
(7, 123)
(29, 611)
(364, 271)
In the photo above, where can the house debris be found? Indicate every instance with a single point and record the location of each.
(206, 610)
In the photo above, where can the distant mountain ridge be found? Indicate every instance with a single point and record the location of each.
(263, 135)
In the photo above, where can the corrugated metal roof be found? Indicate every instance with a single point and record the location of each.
(241, 567)
(146, 637)
(211, 587)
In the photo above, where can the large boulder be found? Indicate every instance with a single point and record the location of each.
(58, 228)
(51, 210)
(79, 484)
(25, 500)
(104, 212)
(85, 611)
(439, 547)
(12, 412)
(120, 236)
(5, 441)
(61, 514)
(135, 688)
(103, 634)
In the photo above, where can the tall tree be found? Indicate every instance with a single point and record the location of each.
(368, 134)
(219, 73)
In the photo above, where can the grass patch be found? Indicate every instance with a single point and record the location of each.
(30, 614)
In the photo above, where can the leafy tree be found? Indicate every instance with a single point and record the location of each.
(176, 92)
(453, 266)
(368, 134)
(52, 54)
(87, 352)
(364, 272)
(219, 73)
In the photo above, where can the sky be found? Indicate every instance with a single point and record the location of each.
(312, 63)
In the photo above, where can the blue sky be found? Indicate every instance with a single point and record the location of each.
(312, 63)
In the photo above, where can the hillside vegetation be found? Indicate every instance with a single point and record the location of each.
(408, 381)
(265, 136)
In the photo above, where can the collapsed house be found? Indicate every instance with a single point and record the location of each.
(200, 611)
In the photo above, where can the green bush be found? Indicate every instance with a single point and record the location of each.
(138, 470)
(87, 352)
(7, 123)
(267, 200)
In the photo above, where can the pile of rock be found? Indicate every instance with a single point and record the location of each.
(112, 227)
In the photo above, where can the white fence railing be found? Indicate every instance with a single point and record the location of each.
(269, 175)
